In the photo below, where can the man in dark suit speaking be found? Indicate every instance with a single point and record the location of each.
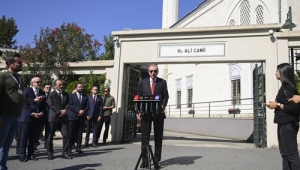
(153, 86)
(31, 115)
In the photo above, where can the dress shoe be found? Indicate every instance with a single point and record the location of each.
(104, 142)
(95, 145)
(79, 150)
(156, 165)
(65, 156)
(83, 146)
(144, 165)
(32, 158)
(22, 159)
(50, 156)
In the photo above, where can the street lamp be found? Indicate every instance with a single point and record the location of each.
(288, 22)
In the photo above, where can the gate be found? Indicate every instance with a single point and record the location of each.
(260, 135)
(131, 88)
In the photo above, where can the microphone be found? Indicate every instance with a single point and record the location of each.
(136, 97)
(157, 97)
(141, 105)
(151, 103)
(146, 103)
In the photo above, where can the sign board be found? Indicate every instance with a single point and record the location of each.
(192, 50)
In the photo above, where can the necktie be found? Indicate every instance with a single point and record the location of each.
(153, 87)
(60, 96)
(94, 99)
(36, 92)
(79, 97)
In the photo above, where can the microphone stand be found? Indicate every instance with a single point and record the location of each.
(146, 148)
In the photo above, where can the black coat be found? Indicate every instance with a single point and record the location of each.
(290, 113)
(55, 106)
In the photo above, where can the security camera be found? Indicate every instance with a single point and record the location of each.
(271, 32)
(116, 38)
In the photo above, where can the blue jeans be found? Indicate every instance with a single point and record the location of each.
(8, 130)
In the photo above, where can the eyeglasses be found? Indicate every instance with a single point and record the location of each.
(106, 91)
(47, 87)
(38, 82)
(60, 84)
(150, 71)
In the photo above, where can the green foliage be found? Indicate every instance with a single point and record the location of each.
(91, 80)
(71, 86)
(297, 79)
(109, 47)
(54, 49)
(8, 29)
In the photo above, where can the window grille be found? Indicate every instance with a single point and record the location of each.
(259, 14)
(178, 101)
(236, 91)
(190, 97)
(245, 13)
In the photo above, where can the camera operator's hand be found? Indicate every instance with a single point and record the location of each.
(139, 116)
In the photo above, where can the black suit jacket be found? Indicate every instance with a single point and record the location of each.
(55, 106)
(34, 107)
(160, 89)
(76, 106)
(290, 113)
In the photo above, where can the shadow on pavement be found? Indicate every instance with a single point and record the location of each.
(183, 160)
(208, 139)
(82, 166)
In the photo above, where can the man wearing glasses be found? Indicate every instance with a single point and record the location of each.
(30, 120)
(147, 87)
(58, 102)
(45, 123)
(108, 105)
(12, 101)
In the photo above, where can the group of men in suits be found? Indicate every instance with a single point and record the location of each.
(62, 111)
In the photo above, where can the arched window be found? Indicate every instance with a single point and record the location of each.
(259, 14)
(245, 13)
(235, 78)
(231, 22)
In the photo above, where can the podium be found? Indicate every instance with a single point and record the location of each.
(148, 109)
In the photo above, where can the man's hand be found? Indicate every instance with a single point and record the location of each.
(139, 116)
(88, 117)
(39, 98)
(99, 118)
(63, 113)
(81, 112)
(295, 99)
(0, 122)
(36, 115)
(271, 105)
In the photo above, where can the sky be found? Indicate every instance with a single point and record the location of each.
(98, 17)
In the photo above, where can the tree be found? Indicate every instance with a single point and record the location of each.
(8, 29)
(89, 81)
(109, 47)
(54, 49)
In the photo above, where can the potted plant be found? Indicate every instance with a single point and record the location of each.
(191, 111)
(234, 111)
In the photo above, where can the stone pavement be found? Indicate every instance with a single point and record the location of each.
(180, 151)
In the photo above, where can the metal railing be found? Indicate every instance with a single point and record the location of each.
(217, 109)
